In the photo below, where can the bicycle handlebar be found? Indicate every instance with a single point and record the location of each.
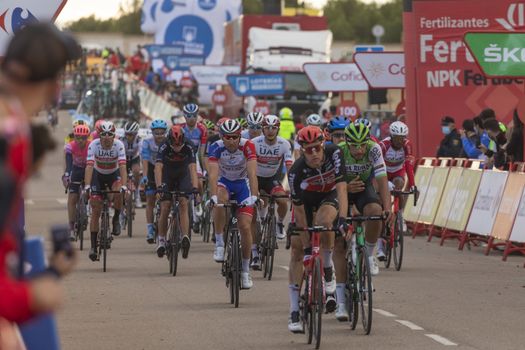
(313, 229)
(273, 196)
(231, 204)
(413, 191)
(364, 218)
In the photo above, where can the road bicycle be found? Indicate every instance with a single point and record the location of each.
(129, 207)
(81, 215)
(104, 235)
(206, 222)
(173, 243)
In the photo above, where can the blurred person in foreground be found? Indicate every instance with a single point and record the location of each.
(30, 77)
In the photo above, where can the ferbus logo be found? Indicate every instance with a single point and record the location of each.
(514, 10)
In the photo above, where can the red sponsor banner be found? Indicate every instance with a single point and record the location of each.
(262, 106)
(349, 109)
(219, 98)
(445, 79)
(401, 108)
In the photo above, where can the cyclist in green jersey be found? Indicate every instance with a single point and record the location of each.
(363, 161)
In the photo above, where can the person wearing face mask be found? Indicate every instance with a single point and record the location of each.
(451, 145)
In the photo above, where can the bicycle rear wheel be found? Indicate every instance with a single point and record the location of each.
(236, 267)
(388, 251)
(104, 239)
(264, 247)
(174, 246)
(352, 296)
(270, 248)
(365, 290)
(308, 308)
(318, 302)
(205, 224)
(398, 241)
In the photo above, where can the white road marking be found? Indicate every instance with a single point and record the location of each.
(441, 340)
(384, 313)
(29, 202)
(62, 200)
(286, 268)
(410, 325)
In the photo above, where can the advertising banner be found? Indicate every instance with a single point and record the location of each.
(175, 57)
(444, 78)
(422, 179)
(213, 75)
(433, 195)
(509, 206)
(15, 14)
(447, 197)
(463, 199)
(382, 69)
(256, 84)
(487, 202)
(518, 233)
(335, 77)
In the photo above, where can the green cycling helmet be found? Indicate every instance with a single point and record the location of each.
(243, 122)
(208, 124)
(357, 132)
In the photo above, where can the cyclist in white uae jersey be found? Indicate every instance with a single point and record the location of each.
(132, 144)
(272, 151)
(106, 160)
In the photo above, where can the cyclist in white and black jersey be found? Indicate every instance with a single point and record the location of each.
(133, 145)
(105, 169)
(272, 151)
(254, 121)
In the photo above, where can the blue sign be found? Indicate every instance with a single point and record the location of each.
(192, 33)
(369, 48)
(174, 57)
(257, 84)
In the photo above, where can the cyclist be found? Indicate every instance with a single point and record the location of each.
(133, 143)
(150, 148)
(76, 157)
(287, 130)
(233, 175)
(71, 136)
(368, 124)
(95, 133)
(243, 122)
(254, 121)
(314, 120)
(210, 126)
(272, 151)
(319, 197)
(105, 168)
(175, 170)
(364, 161)
(336, 129)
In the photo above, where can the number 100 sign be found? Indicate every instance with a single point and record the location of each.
(349, 109)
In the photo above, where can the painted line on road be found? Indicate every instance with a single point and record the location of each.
(441, 340)
(29, 202)
(384, 313)
(62, 200)
(410, 325)
(286, 268)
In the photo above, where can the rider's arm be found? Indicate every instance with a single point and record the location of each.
(145, 154)
(90, 162)
(409, 164)
(288, 159)
(88, 174)
(378, 164)
(158, 173)
(193, 169)
(213, 168)
(251, 165)
(296, 194)
(340, 178)
(122, 164)
(202, 148)
(69, 158)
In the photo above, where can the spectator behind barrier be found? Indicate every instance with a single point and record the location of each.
(451, 145)
(515, 146)
(470, 140)
(500, 140)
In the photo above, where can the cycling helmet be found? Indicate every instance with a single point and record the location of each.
(338, 123)
(208, 124)
(176, 135)
(221, 121)
(357, 132)
(254, 119)
(190, 110)
(286, 114)
(158, 124)
(271, 120)
(309, 134)
(230, 126)
(242, 122)
(131, 127)
(398, 129)
(364, 121)
(313, 119)
(81, 130)
(77, 122)
(107, 126)
(98, 123)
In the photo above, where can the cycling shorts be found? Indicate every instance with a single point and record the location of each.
(238, 190)
(312, 201)
(270, 185)
(131, 163)
(150, 185)
(103, 182)
(200, 173)
(400, 173)
(176, 183)
(363, 198)
(77, 175)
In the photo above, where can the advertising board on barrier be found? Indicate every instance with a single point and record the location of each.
(487, 202)
(213, 75)
(443, 69)
(518, 233)
(382, 69)
(508, 206)
(422, 179)
(335, 77)
(433, 195)
(447, 198)
(464, 199)
(175, 57)
(256, 84)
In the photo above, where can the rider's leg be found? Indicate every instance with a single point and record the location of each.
(72, 200)
(184, 216)
(340, 268)
(219, 217)
(165, 207)
(135, 168)
(96, 208)
(372, 228)
(245, 219)
(399, 183)
(326, 216)
(295, 272)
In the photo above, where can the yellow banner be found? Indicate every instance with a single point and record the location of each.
(464, 199)
(433, 195)
(508, 206)
(422, 179)
(447, 199)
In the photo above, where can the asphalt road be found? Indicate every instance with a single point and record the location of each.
(441, 297)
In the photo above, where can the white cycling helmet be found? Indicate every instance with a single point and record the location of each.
(107, 126)
(365, 121)
(254, 119)
(398, 129)
(131, 127)
(231, 126)
(272, 120)
(314, 119)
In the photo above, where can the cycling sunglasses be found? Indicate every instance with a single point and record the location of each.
(190, 116)
(357, 145)
(78, 137)
(159, 133)
(338, 134)
(107, 133)
(271, 127)
(231, 137)
(310, 150)
(254, 127)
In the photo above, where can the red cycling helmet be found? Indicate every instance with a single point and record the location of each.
(97, 125)
(221, 121)
(81, 130)
(310, 134)
(176, 135)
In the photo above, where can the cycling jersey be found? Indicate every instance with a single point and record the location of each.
(106, 161)
(149, 150)
(175, 163)
(398, 161)
(371, 165)
(77, 155)
(232, 165)
(133, 149)
(304, 179)
(245, 134)
(197, 136)
(270, 157)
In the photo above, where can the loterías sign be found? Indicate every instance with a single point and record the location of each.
(444, 78)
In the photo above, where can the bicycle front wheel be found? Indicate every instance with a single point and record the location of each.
(398, 241)
(174, 246)
(365, 290)
(104, 239)
(129, 214)
(236, 267)
(388, 250)
(352, 295)
(270, 247)
(318, 301)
